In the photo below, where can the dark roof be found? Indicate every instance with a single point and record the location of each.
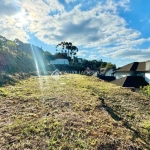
(60, 56)
(107, 78)
(119, 82)
(141, 66)
(131, 81)
(135, 66)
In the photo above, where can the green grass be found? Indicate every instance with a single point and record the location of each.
(42, 113)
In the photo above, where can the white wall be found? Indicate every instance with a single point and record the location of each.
(147, 77)
(119, 75)
(109, 72)
(148, 65)
(60, 61)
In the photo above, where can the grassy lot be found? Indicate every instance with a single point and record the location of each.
(72, 113)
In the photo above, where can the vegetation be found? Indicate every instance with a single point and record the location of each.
(68, 47)
(74, 112)
(145, 90)
(96, 64)
(13, 62)
(19, 57)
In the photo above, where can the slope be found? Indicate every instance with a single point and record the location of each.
(73, 112)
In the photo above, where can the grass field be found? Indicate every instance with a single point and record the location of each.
(71, 113)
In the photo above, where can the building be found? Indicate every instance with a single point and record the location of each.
(135, 74)
(60, 59)
(132, 69)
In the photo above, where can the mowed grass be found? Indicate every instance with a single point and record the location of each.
(72, 113)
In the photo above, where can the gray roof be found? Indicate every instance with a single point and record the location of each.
(135, 66)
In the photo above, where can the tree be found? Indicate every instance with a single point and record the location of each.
(103, 64)
(11, 44)
(110, 65)
(68, 48)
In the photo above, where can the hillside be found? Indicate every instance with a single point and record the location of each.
(74, 112)
(16, 56)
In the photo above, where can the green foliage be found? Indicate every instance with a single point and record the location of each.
(110, 65)
(19, 58)
(96, 64)
(13, 62)
(67, 47)
(145, 90)
(11, 44)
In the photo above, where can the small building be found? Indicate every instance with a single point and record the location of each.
(60, 59)
(59, 62)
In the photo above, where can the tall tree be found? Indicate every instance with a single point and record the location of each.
(68, 48)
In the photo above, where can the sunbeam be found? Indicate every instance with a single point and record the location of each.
(22, 20)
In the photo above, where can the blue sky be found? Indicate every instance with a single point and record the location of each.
(115, 31)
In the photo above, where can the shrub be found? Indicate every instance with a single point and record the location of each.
(145, 90)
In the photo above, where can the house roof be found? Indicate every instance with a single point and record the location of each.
(131, 81)
(135, 66)
(60, 56)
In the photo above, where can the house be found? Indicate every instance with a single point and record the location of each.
(147, 73)
(60, 59)
(132, 69)
(135, 74)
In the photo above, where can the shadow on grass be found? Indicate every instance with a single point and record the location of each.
(112, 113)
(136, 134)
(7, 79)
(126, 124)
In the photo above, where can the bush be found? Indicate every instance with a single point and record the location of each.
(145, 90)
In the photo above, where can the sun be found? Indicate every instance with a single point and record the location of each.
(21, 19)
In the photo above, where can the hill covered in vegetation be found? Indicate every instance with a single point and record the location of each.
(16, 56)
(71, 112)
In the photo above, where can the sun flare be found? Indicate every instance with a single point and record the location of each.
(21, 19)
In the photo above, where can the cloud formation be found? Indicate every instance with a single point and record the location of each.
(98, 27)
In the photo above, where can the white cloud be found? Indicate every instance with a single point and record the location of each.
(82, 53)
(98, 27)
(69, 1)
(129, 53)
